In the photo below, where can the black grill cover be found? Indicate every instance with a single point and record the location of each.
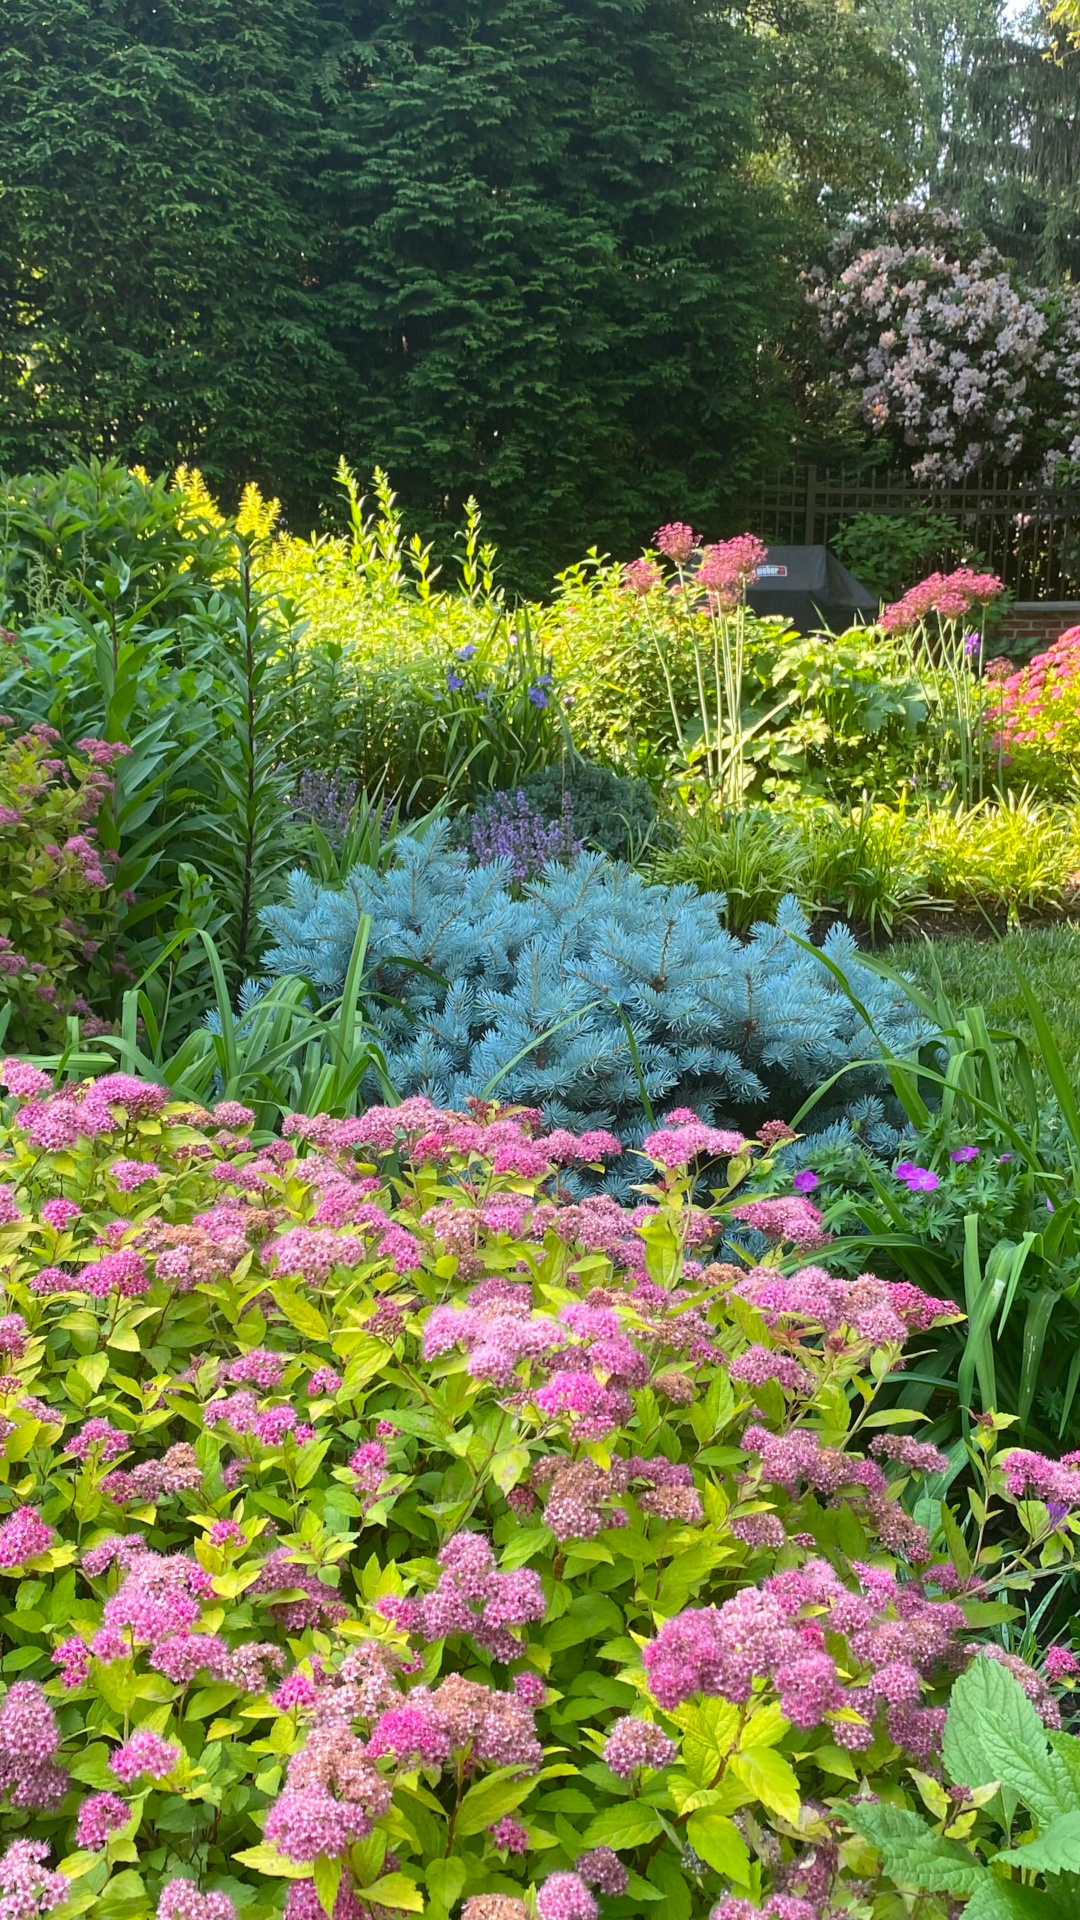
(812, 589)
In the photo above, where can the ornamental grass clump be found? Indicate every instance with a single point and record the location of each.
(389, 1530)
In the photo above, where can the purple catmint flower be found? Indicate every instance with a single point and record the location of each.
(328, 799)
(510, 828)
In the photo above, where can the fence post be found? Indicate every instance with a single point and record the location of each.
(811, 505)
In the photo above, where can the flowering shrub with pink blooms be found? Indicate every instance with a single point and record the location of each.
(386, 1530)
(1035, 713)
(54, 877)
(944, 351)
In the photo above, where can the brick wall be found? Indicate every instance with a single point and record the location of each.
(1036, 623)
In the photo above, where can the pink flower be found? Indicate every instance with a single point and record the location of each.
(26, 1888)
(641, 576)
(676, 1146)
(632, 1744)
(60, 1213)
(182, 1900)
(677, 540)
(1060, 1662)
(99, 1815)
(565, 1897)
(130, 1174)
(144, 1752)
(23, 1536)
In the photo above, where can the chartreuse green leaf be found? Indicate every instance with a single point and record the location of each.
(771, 1778)
(912, 1853)
(487, 1801)
(266, 1859)
(630, 1824)
(445, 1881)
(994, 1733)
(327, 1877)
(395, 1890)
(718, 1840)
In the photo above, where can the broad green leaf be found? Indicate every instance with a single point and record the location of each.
(718, 1840)
(487, 1801)
(305, 1317)
(771, 1778)
(267, 1859)
(913, 1854)
(630, 1824)
(709, 1732)
(1056, 1850)
(327, 1877)
(667, 1875)
(395, 1890)
(999, 1899)
(994, 1733)
(445, 1880)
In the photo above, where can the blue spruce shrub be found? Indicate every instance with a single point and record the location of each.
(534, 999)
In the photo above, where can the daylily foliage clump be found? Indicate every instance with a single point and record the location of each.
(387, 1529)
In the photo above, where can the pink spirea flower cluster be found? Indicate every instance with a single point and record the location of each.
(881, 1311)
(1037, 707)
(144, 1752)
(27, 1887)
(472, 1598)
(29, 1742)
(789, 1217)
(23, 1536)
(898, 1639)
(183, 1900)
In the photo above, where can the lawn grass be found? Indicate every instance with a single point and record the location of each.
(984, 972)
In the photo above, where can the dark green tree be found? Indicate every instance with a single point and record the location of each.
(1012, 163)
(554, 278)
(156, 296)
(507, 246)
